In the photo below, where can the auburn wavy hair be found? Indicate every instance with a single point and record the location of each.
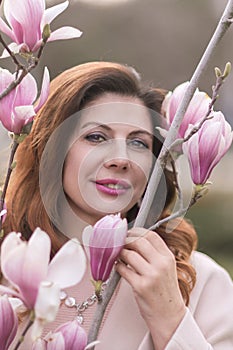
(70, 92)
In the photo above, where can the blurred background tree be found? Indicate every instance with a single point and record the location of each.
(163, 40)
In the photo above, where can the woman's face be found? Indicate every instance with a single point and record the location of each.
(107, 167)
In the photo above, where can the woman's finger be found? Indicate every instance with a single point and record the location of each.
(135, 261)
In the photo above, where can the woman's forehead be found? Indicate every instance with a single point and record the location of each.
(116, 114)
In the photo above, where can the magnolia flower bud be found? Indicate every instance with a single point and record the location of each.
(103, 243)
(197, 109)
(207, 146)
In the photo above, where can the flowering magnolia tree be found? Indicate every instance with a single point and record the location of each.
(33, 282)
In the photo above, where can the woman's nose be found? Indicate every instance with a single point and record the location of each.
(118, 156)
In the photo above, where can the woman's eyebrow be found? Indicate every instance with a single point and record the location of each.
(141, 132)
(105, 126)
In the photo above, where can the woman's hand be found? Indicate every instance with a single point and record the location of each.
(150, 268)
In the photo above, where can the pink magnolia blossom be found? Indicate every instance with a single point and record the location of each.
(207, 146)
(26, 265)
(27, 19)
(103, 242)
(16, 108)
(196, 111)
(8, 323)
(68, 336)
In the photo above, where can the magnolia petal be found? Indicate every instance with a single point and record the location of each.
(25, 18)
(191, 150)
(46, 307)
(26, 92)
(53, 12)
(196, 111)
(9, 291)
(10, 242)
(55, 341)
(3, 215)
(47, 302)
(68, 265)
(26, 265)
(6, 29)
(44, 90)
(22, 116)
(15, 25)
(86, 235)
(39, 344)
(23, 113)
(7, 103)
(121, 233)
(74, 335)
(166, 102)
(38, 254)
(105, 260)
(8, 323)
(12, 264)
(105, 244)
(65, 33)
(226, 129)
(175, 100)
(15, 302)
(15, 48)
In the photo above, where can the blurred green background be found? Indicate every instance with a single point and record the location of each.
(163, 40)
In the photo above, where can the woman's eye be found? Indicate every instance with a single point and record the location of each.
(96, 138)
(136, 143)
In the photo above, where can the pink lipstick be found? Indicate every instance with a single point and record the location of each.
(113, 187)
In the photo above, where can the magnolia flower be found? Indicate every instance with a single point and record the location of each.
(207, 146)
(196, 111)
(69, 336)
(27, 20)
(16, 108)
(26, 265)
(103, 242)
(8, 323)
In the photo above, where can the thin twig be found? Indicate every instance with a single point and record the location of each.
(21, 339)
(25, 71)
(198, 194)
(101, 307)
(12, 55)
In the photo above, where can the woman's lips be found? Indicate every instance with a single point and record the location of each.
(112, 187)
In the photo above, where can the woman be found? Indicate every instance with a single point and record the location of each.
(89, 154)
